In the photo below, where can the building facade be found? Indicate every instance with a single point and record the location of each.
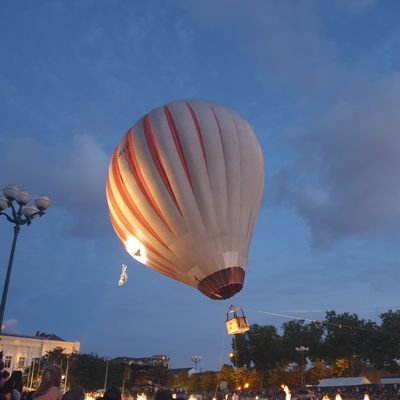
(20, 351)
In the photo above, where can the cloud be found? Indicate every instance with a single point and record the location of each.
(73, 175)
(284, 42)
(11, 326)
(345, 181)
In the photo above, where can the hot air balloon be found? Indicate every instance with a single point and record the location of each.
(183, 189)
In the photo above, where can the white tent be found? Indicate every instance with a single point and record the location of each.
(390, 381)
(338, 382)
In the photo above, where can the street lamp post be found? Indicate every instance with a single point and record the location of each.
(106, 374)
(196, 360)
(20, 213)
(66, 375)
(302, 350)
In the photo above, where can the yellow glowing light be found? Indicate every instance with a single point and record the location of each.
(136, 249)
(285, 389)
(246, 385)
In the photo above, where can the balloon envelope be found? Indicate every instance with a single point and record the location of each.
(183, 190)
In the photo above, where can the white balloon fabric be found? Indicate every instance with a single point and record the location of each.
(183, 190)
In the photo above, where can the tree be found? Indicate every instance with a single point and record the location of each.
(208, 381)
(56, 356)
(194, 382)
(351, 343)
(254, 379)
(241, 355)
(386, 344)
(88, 371)
(318, 371)
(298, 333)
(33, 373)
(181, 381)
(340, 336)
(159, 374)
(265, 346)
(342, 367)
(227, 374)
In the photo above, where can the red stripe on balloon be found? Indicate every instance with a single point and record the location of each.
(155, 155)
(118, 231)
(121, 187)
(198, 130)
(128, 226)
(178, 144)
(150, 260)
(138, 176)
(155, 264)
(162, 267)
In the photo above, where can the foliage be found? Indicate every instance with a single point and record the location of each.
(341, 345)
(387, 341)
(318, 371)
(181, 381)
(298, 333)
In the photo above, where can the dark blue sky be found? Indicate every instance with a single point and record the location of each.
(319, 82)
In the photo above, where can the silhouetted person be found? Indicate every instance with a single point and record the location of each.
(6, 386)
(74, 394)
(112, 393)
(163, 394)
(49, 388)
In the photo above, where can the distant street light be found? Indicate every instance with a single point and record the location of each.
(196, 360)
(66, 375)
(302, 350)
(107, 359)
(20, 213)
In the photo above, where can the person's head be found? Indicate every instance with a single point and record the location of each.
(5, 374)
(16, 394)
(16, 379)
(112, 393)
(51, 376)
(1, 365)
(74, 394)
(163, 394)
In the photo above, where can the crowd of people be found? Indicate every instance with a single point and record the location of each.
(11, 388)
(373, 392)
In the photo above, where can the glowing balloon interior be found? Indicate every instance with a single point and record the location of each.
(183, 190)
